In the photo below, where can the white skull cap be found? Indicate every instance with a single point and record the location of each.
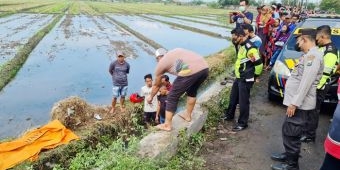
(160, 52)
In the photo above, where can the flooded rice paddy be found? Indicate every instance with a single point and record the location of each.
(73, 59)
(207, 19)
(15, 31)
(171, 37)
(215, 29)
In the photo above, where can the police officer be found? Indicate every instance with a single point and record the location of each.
(248, 65)
(330, 58)
(300, 97)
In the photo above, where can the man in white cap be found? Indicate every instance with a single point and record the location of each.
(191, 70)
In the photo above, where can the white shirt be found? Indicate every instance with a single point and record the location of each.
(145, 92)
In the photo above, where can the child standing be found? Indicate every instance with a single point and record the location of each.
(160, 115)
(150, 109)
(119, 70)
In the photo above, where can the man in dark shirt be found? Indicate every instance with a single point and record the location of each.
(243, 16)
(119, 70)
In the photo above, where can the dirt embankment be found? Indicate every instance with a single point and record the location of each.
(251, 149)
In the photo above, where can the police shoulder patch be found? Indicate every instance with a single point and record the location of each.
(310, 59)
(248, 45)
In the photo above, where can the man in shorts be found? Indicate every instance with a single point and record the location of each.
(119, 70)
(191, 70)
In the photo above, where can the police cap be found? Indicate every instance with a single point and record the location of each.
(306, 31)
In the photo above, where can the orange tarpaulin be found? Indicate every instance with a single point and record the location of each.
(29, 146)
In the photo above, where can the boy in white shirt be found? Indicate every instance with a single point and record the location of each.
(149, 109)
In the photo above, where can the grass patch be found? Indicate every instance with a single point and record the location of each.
(55, 8)
(155, 8)
(5, 14)
(82, 7)
(9, 69)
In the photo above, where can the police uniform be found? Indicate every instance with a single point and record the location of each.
(330, 57)
(248, 65)
(300, 91)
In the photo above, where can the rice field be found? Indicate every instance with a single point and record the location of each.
(73, 58)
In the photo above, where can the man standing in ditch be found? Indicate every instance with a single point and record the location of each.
(300, 99)
(248, 66)
(119, 70)
(191, 70)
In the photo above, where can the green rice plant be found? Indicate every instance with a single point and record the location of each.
(154, 8)
(74, 8)
(58, 7)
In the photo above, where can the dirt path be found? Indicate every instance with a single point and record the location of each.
(251, 149)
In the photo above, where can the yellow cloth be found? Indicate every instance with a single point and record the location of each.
(29, 146)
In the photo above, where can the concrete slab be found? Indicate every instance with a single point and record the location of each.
(161, 144)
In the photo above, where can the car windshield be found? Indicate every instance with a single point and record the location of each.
(313, 24)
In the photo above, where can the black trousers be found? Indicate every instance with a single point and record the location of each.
(292, 130)
(313, 118)
(330, 163)
(240, 94)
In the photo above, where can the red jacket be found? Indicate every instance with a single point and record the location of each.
(332, 142)
(271, 21)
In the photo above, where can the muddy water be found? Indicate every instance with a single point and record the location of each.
(15, 30)
(73, 59)
(222, 31)
(72, 62)
(211, 20)
(171, 37)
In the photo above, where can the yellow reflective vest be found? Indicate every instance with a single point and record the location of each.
(330, 59)
(248, 64)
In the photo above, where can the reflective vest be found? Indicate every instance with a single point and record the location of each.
(331, 56)
(248, 63)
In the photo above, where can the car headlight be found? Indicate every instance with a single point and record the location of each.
(281, 68)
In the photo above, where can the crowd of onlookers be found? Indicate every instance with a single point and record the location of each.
(273, 25)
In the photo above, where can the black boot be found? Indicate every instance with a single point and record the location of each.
(290, 164)
(279, 157)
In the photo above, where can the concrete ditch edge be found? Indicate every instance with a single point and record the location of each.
(163, 145)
